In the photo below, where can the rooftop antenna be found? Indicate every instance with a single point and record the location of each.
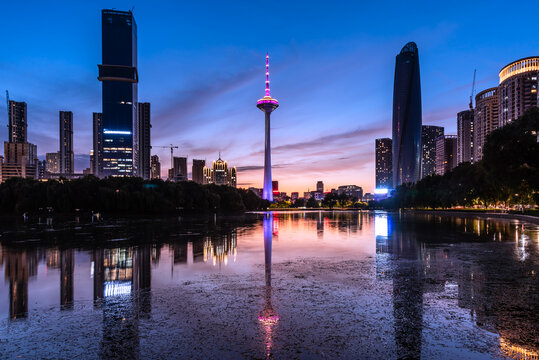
(473, 88)
(7, 108)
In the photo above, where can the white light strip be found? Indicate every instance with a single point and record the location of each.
(117, 132)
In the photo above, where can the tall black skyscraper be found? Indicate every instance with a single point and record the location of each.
(465, 121)
(119, 75)
(384, 167)
(66, 143)
(197, 172)
(407, 117)
(429, 133)
(98, 144)
(17, 122)
(144, 125)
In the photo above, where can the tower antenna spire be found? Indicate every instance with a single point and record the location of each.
(267, 75)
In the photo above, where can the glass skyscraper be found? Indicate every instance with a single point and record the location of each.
(407, 117)
(119, 75)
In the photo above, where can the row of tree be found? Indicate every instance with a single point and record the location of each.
(123, 195)
(508, 174)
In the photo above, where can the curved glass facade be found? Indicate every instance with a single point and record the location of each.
(407, 117)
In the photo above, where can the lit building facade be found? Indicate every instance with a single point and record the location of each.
(220, 174)
(197, 171)
(267, 104)
(118, 73)
(485, 119)
(465, 121)
(67, 157)
(155, 167)
(144, 126)
(53, 163)
(407, 118)
(429, 134)
(446, 154)
(517, 91)
(352, 191)
(384, 164)
(97, 119)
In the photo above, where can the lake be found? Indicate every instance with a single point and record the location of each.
(280, 285)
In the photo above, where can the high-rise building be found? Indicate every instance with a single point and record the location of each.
(485, 119)
(407, 117)
(267, 104)
(197, 171)
(429, 133)
(275, 188)
(144, 126)
(465, 120)
(20, 156)
(41, 169)
(517, 91)
(17, 122)
(179, 171)
(53, 163)
(320, 186)
(384, 164)
(220, 174)
(294, 196)
(155, 167)
(446, 154)
(98, 144)
(118, 73)
(67, 158)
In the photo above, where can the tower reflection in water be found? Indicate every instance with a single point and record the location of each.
(268, 317)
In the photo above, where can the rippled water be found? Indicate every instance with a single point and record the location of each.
(283, 285)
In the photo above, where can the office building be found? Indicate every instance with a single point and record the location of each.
(53, 163)
(155, 167)
(517, 91)
(67, 158)
(384, 164)
(97, 169)
(20, 156)
(407, 118)
(267, 104)
(353, 191)
(429, 134)
(197, 171)
(118, 73)
(465, 120)
(485, 119)
(320, 186)
(144, 126)
(294, 196)
(220, 174)
(41, 169)
(275, 188)
(179, 171)
(446, 154)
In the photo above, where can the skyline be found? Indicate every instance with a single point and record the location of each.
(306, 68)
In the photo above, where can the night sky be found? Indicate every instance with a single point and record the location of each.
(201, 65)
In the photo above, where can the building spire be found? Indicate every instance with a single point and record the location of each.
(267, 75)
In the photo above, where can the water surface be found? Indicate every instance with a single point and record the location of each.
(283, 285)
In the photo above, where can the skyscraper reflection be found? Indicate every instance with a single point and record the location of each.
(67, 266)
(268, 317)
(20, 265)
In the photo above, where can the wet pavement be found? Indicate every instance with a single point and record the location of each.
(284, 285)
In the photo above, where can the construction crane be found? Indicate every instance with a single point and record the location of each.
(473, 88)
(171, 147)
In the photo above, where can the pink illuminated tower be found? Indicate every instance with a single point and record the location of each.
(267, 104)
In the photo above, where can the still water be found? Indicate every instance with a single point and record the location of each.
(271, 285)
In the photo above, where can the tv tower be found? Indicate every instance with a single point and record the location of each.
(267, 104)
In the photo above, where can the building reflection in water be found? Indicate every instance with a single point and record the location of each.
(122, 283)
(268, 317)
(20, 265)
(67, 267)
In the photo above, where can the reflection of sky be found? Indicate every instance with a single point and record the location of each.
(201, 65)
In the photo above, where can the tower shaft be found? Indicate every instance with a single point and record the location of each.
(267, 193)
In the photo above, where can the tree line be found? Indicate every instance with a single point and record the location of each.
(508, 174)
(127, 195)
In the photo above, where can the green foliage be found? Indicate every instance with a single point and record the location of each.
(508, 173)
(123, 195)
(312, 203)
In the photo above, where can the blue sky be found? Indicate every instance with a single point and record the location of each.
(201, 65)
